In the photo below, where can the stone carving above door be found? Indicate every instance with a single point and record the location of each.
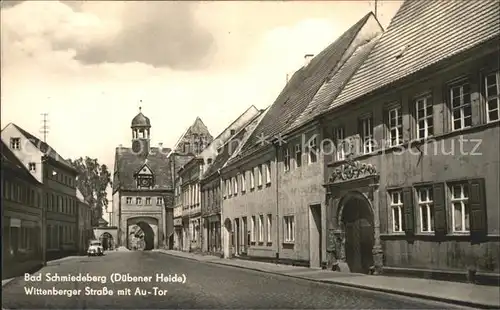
(351, 170)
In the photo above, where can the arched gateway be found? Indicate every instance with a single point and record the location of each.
(356, 221)
(142, 233)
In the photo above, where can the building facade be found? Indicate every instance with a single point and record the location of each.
(85, 232)
(279, 213)
(418, 193)
(142, 186)
(22, 217)
(214, 157)
(59, 188)
(191, 143)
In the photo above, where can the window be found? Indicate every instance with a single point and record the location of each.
(235, 184)
(268, 173)
(492, 90)
(187, 148)
(252, 179)
(367, 135)
(339, 143)
(395, 124)
(461, 109)
(32, 167)
(289, 233)
(298, 155)
(148, 201)
(261, 228)
(460, 207)
(138, 200)
(269, 228)
(15, 143)
(233, 132)
(424, 117)
(426, 209)
(259, 175)
(286, 159)
(313, 156)
(253, 230)
(229, 190)
(397, 211)
(243, 183)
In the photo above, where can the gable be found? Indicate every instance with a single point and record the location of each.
(145, 170)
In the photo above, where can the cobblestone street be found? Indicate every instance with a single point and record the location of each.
(207, 286)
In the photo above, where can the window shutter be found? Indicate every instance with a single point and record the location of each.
(409, 222)
(477, 205)
(440, 226)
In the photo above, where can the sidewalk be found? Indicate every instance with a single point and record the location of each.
(477, 296)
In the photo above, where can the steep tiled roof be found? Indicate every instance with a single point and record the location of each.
(127, 163)
(421, 34)
(198, 127)
(45, 148)
(12, 163)
(333, 86)
(247, 133)
(302, 87)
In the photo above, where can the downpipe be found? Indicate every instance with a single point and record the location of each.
(276, 151)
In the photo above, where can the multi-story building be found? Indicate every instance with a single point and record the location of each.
(142, 187)
(278, 213)
(419, 192)
(211, 183)
(85, 233)
(58, 177)
(210, 230)
(22, 217)
(192, 142)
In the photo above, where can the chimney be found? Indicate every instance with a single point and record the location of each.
(307, 59)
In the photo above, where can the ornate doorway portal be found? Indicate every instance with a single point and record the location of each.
(357, 223)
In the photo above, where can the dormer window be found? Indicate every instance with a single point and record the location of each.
(209, 161)
(233, 132)
(145, 178)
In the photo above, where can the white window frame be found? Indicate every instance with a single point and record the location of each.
(252, 229)
(235, 184)
(252, 179)
(489, 98)
(463, 201)
(426, 205)
(289, 228)
(148, 201)
(269, 228)
(460, 107)
(243, 183)
(396, 205)
(229, 187)
(159, 201)
(298, 155)
(138, 201)
(312, 154)
(15, 143)
(422, 104)
(32, 167)
(259, 175)
(339, 135)
(367, 134)
(261, 228)
(268, 172)
(395, 126)
(286, 159)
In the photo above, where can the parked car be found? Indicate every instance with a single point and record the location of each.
(95, 248)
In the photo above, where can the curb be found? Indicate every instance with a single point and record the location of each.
(359, 286)
(60, 260)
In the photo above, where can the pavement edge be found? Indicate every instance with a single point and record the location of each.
(358, 286)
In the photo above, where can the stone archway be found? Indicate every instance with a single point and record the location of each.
(107, 241)
(356, 220)
(142, 233)
(228, 231)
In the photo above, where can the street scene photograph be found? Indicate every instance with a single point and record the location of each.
(250, 154)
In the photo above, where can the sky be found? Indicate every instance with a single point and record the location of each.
(91, 65)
